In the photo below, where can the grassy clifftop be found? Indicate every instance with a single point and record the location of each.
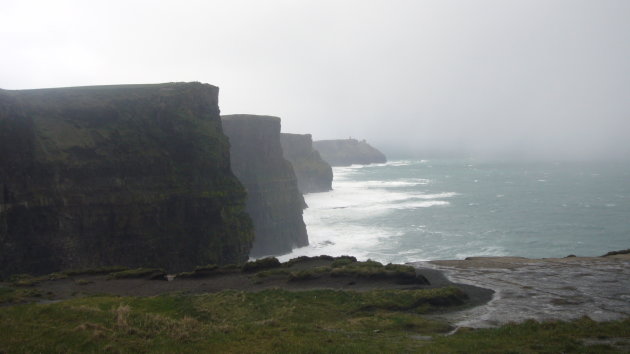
(134, 175)
(339, 316)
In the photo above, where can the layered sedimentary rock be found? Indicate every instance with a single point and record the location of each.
(345, 152)
(134, 175)
(313, 174)
(273, 199)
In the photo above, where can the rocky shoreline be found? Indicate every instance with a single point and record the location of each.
(541, 289)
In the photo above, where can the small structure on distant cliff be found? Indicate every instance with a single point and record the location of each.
(273, 199)
(345, 152)
(313, 174)
(133, 175)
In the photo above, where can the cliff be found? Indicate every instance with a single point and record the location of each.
(273, 199)
(346, 152)
(313, 174)
(133, 175)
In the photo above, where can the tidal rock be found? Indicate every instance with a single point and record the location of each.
(273, 199)
(313, 174)
(133, 175)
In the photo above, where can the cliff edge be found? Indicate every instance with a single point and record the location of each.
(273, 199)
(132, 175)
(313, 174)
(345, 152)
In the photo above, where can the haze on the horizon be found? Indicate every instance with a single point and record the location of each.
(528, 78)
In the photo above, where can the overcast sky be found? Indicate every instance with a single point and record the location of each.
(490, 77)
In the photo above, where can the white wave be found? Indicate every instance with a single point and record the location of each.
(406, 182)
(434, 196)
(352, 202)
(338, 239)
(340, 221)
(425, 204)
(397, 163)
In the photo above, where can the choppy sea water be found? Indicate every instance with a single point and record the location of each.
(415, 210)
(412, 211)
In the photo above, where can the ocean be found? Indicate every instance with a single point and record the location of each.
(417, 210)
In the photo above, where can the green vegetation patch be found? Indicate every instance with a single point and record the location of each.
(31, 280)
(142, 273)
(283, 273)
(343, 261)
(229, 321)
(614, 253)
(261, 264)
(209, 270)
(25, 279)
(303, 259)
(580, 336)
(350, 267)
(374, 270)
(20, 295)
(283, 321)
(95, 271)
(413, 300)
(309, 274)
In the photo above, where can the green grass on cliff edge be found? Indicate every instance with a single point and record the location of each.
(283, 322)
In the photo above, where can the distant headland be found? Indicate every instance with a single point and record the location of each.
(346, 152)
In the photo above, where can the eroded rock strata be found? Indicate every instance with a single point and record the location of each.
(313, 174)
(273, 199)
(134, 175)
(345, 152)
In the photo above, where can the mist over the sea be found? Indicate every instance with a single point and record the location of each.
(492, 79)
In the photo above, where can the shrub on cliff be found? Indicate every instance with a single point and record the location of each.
(261, 264)
(142, 273)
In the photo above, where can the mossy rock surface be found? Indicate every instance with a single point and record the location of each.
(132, 175)
(312, 172)
(274, 201)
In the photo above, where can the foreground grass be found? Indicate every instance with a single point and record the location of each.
(579, 336)
(229, 321)
(283, 321)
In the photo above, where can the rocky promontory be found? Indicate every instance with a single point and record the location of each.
(273, 199)
(133, 175)
(346, 152)
(313, 174)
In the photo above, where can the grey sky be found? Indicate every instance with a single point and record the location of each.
(531, 78)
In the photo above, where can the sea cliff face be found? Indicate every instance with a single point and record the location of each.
(313, 174)
(134, 175)
(273, 199)
(346, 152)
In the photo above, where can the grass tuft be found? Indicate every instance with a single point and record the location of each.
(261, 264)
(208, 271)
(309, 274)
(95, 271)
(614, 253)
(143, 273)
